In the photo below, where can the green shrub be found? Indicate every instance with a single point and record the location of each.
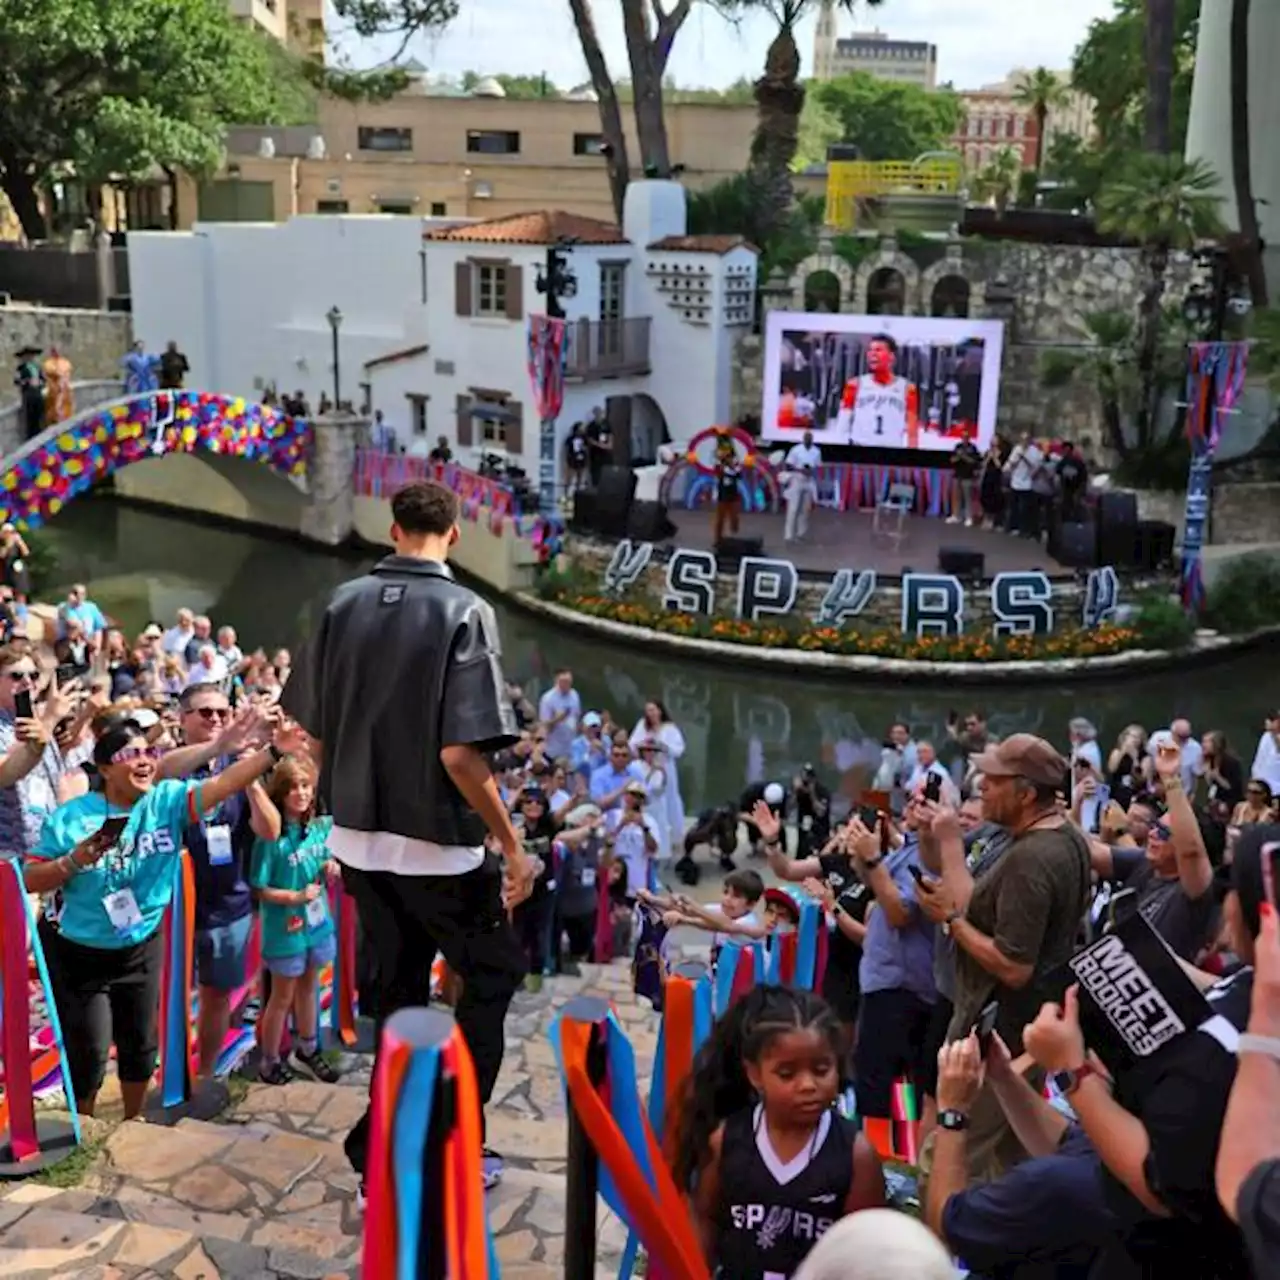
(1163, 623)
(42, 563)
(1245, 595)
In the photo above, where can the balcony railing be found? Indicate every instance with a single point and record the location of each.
(608, 348)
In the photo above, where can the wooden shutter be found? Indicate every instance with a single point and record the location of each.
(514, 435)
(465, 438)
(462, 289)
(515, 291)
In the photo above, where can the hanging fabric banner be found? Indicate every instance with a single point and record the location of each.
(1215, 379)
(548, 353)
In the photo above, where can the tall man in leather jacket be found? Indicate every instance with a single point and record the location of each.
(402, 685)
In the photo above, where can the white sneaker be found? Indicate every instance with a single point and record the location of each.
(968, 524)
(953, 519)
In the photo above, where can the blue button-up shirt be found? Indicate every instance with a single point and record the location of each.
(606, 779)
(899, 959)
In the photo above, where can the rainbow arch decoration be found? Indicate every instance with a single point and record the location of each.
(64, 463)
(691, 478)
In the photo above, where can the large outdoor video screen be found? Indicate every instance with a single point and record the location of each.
(881, 382)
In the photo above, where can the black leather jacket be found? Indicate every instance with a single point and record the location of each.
(404, 662)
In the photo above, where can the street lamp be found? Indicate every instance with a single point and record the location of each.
(334, 318)
(556, 281)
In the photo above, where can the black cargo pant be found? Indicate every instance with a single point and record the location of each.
(405, 922)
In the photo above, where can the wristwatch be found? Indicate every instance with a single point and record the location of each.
(949, 921)
(1067, 1082)
(953, 1121)
(276, 754)
(872, 863)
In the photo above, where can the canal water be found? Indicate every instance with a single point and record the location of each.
(740, 725)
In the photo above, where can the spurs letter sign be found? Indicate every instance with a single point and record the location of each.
(933, 604)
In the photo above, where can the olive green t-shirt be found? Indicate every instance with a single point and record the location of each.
(1031, 903)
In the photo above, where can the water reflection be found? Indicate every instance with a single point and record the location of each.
(739, 725)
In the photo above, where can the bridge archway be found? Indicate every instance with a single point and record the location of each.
(70, 458)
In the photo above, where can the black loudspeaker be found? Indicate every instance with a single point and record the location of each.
(962, 562)
(1075, 544)
(1117, 506)
(1153, 545)
(649, 522)
(614, 495)
(583, 519)
(730, 550)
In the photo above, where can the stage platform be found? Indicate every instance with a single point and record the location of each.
(843, 540)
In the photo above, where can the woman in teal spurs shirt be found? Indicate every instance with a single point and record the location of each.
(111, 857)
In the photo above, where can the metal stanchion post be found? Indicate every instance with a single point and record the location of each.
(582, 1175)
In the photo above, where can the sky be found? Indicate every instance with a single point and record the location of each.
(979, 41)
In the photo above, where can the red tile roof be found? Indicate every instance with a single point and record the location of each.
(546, 226)
(703, 244)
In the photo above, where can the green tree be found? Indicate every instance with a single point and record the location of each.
(998, 178)
(1111, 67)
(109, 89)
(888, 121)
(1040, 91)
(819, 128)
(1167, 205)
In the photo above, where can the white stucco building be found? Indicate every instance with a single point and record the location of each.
(434, 318)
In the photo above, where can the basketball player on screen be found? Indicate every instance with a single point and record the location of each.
(880, 409)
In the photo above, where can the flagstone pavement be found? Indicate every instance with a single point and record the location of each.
(265, 1190)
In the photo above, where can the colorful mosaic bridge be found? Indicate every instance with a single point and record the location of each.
(39, 483)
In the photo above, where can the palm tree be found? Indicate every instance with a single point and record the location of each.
(1040, 91)
(1160, 39)
(1167, 205)
(780, 99)
(997, 180)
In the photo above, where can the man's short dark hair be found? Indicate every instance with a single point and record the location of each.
(886, 340)
(747, 884)
(193, 691)
(424, 507)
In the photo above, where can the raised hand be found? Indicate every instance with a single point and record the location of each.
(769, 823)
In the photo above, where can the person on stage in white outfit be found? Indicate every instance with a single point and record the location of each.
(800, 486)
(657, 727)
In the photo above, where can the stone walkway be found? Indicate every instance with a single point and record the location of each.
(266, 1191)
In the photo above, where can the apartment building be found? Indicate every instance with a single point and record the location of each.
(994, 119)
(905, 61)
(297, 22)
(454, 157)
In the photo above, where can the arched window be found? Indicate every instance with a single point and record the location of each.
(950, 298)
(822, 292)
(887, 293)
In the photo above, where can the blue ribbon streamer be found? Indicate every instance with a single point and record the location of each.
(811, 920)
(173, 1084)
(408, 1146)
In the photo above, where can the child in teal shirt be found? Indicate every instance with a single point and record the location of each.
(290, 862)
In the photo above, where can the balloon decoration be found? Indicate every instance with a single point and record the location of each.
(697, 469)
(39, 483)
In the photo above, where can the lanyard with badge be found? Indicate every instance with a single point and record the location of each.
(317, 911)
(118, 901)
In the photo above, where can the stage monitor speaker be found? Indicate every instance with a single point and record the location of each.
(730, 550)
(1117, 506)
(614, 495)
(962, 562)
(649, 522)
(583, 520)
(1153, 545)
(1076, 544)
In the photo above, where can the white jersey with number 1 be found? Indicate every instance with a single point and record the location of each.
(878, 417)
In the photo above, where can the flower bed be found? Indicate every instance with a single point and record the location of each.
(1070, 642)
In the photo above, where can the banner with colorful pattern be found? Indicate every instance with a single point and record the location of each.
(42, 479)
(548, 352)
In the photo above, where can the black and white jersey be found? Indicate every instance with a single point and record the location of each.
(771, 1214)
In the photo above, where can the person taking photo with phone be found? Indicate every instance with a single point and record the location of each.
(32, 765)
(111, 857)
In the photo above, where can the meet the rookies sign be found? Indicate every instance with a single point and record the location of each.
(933, 604)
(1134, 995)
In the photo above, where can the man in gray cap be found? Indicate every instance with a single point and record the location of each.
(1021, 920)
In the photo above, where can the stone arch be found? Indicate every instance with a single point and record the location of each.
(887, 293)
(954, 267)
(950, 298)
(889, 258)
(822, 292)
(824, 260)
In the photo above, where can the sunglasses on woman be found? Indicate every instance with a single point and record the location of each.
(127, 755)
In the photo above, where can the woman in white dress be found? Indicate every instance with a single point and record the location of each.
(653, 763)
(669, 743)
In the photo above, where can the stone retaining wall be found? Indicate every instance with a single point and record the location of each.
(94, 341)
(1242, 513)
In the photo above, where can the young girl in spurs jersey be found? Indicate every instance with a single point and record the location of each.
(757, 1142)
